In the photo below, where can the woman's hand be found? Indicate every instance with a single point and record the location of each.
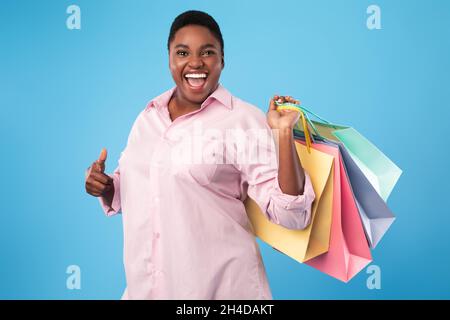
(283, 119)
(291, 176)
(98, 184)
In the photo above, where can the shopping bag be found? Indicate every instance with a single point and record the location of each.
(302, 245)
(348, 252)
(380, 171)
(375, 214)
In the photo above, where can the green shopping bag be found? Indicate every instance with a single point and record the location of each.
(381, 172)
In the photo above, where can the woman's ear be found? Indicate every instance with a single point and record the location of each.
(168, 58)
(223, 62)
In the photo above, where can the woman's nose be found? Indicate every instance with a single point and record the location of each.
(196, 62)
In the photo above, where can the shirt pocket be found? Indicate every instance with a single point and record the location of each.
(198, 171)
(198, 166)
(202, 173)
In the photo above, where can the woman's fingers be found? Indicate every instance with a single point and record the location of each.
(97, 188)
(290, 99)
(101, 177)
(97, 183)
(277, 99)
(283, 99)
(272, 105)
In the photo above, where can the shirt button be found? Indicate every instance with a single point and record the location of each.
(156, 235)
(151, 268)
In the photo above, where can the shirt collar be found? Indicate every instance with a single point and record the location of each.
(221, 95)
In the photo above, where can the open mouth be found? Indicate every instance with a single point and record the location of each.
(196, 80)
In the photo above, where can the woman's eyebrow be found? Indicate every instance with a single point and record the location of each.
(181, 46)
(184, 46)
(208, 45)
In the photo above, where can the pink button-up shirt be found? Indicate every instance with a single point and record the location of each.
(180, 186)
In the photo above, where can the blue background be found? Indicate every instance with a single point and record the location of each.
(65, 94)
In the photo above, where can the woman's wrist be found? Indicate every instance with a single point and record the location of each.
(286, 132)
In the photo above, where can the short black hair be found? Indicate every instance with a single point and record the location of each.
(194, 17)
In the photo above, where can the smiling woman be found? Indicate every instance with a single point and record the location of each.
(196, 58)
(186, 231)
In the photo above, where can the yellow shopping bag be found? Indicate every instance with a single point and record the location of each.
(306, 244)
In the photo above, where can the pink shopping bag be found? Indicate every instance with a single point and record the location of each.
(349, 250)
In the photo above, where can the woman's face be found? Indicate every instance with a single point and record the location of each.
(195, 61)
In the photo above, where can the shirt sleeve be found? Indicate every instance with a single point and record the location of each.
(115, 204)
(289, 211)
(116, 207)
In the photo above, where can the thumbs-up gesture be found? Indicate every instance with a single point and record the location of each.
(98, 184)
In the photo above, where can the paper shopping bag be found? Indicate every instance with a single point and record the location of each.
(381, 172)
(374, 212)
(349, 251)
(302, 245)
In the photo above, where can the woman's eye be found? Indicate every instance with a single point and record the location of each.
(181, 53)
(208, 53)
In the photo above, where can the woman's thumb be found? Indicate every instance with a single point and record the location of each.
(103, 155)
(100, 163)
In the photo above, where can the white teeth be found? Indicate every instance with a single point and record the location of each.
(196, 75)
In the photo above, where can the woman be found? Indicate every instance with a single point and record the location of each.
(186, 232)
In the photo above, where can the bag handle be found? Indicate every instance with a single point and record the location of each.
(303, 117)
(304, 111)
